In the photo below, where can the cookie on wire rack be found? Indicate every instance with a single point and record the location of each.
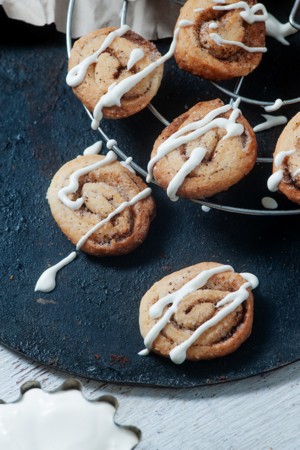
(204, 151)
(106, 57)
(225, 41)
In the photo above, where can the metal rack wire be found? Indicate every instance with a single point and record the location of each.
(233, 95)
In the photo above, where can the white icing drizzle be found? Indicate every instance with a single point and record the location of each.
(182, 23)
(127, 163)
(276, 177)
(110, 143)
(62, 420)
(114, 94)
(271, 121)
(93, 149)
(73, 185)
(276, 105)
(77, 73)
(213, 26)
(47, 281)
(231, 302)
(249, 13)
(144, 352)
(197, 129)
(140, 196)
(205, 208)
(251, 278)
(278, 30)
(274, 180)
(236, 103)
(220, 41)
(280, 157)
(136, 55)
(269, 203)
(194, 160)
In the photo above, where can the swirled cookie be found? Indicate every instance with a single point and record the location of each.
(124, 54)
(221, 43)
(101, 206)
(286, 162)
(204, 151)
(201, 312)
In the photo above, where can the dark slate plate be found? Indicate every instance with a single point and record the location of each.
(88, 326)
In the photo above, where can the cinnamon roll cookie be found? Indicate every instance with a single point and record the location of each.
(204, 151)
(201, 312)
(286, 162)
(101, 61)
(101, 206)
(225, 40)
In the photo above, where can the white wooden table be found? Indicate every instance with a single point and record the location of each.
(258, 413)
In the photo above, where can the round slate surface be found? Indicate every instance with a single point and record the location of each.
(88, 326)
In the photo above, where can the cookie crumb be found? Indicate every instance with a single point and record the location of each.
(118, 359)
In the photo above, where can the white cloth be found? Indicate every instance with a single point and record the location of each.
(151, 19)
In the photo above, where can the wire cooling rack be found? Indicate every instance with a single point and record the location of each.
(231, 93)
